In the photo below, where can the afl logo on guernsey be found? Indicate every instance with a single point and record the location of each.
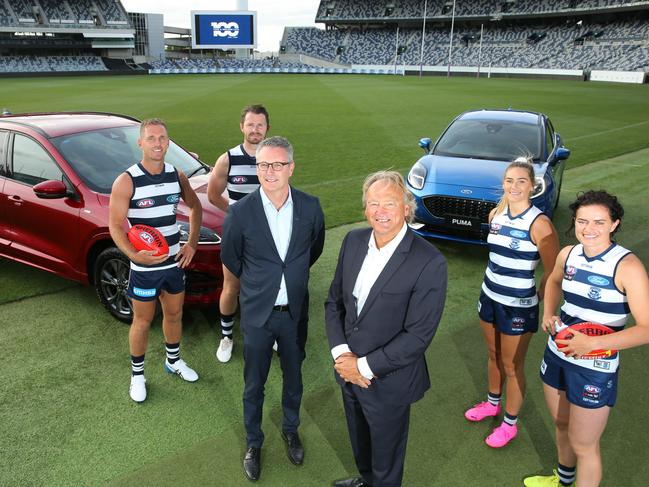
(174, 198)
(569, 275)
(494, 228)
(145, 203)
(598, 281)
(239, 179)
(518, 233)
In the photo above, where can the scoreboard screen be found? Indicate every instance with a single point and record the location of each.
(224, 29)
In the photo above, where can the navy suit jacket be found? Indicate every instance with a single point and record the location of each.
(399, 317)
(248, 251)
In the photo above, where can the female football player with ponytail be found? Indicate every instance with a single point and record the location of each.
(520, 236)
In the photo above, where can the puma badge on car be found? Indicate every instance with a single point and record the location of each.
(459, 221)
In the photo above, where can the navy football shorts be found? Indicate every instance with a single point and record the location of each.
(583, 387)
(147, 285)
(509, 320)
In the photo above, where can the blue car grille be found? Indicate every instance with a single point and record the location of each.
(444, 206)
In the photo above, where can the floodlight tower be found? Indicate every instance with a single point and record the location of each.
(242, 53)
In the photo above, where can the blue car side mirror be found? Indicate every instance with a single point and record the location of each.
(425, 143)
(562, 153)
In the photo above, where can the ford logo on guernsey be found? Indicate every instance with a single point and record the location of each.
(145, 203)
(598, 281)
(174, 198)
(518, 234)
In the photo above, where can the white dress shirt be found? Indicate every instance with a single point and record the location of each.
(281, 225)
(374, 263)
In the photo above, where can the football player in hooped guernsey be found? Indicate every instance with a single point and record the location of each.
(148, 193)
(236, 170)
(520, 235)
(601, 282)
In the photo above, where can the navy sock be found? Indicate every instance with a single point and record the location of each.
(137, 364)
(173, 352)
(227, 323)
(567, 475)
(509, 419)
(493, 399)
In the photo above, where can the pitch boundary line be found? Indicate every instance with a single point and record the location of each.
(616, 129)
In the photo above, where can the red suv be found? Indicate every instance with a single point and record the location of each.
(56, 173)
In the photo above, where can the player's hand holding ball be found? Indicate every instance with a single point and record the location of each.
(580, 340)
(150, 243)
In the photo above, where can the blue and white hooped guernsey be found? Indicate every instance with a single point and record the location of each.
(590, 295)
(242, 174)
(513, 257)
(154, 203)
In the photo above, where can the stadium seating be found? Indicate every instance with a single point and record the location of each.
(70, 13)
(23, 11)
(35, 64)
(234, 64)
(6, 17)
(111, 12)
(57, 12)
(563, 42)
(315, 42)
(379, 10)
(82, 11)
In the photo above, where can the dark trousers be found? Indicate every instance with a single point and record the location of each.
(379, 435)
(257, 356)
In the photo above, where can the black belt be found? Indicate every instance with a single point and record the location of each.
(281, 308)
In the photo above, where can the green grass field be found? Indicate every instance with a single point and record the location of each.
(65, 413)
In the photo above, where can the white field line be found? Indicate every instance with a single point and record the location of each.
(616, 129)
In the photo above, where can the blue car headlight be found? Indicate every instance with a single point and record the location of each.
(539, 187)
(417, 176)
(206, 235)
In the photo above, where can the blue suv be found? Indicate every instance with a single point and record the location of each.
(459, 180)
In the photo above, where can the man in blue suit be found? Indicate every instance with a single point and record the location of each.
(383, 308)
(271, 238)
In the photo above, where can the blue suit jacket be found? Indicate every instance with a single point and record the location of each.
(399, 318)
(248, 251)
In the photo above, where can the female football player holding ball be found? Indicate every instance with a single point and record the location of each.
(601, 282)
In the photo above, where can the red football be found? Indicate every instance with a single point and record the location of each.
(144, 237)
(590, 329)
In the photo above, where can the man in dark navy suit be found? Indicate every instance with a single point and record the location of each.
(383, 308)
(271, 238)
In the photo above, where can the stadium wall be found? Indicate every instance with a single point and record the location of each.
(497, 72)
(636, 77)
(59, 74)
(313, 61)
(413, 70)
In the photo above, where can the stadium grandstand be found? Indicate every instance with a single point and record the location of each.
(582, 35)
(51, 36)
(224, 63)
(556, 38)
